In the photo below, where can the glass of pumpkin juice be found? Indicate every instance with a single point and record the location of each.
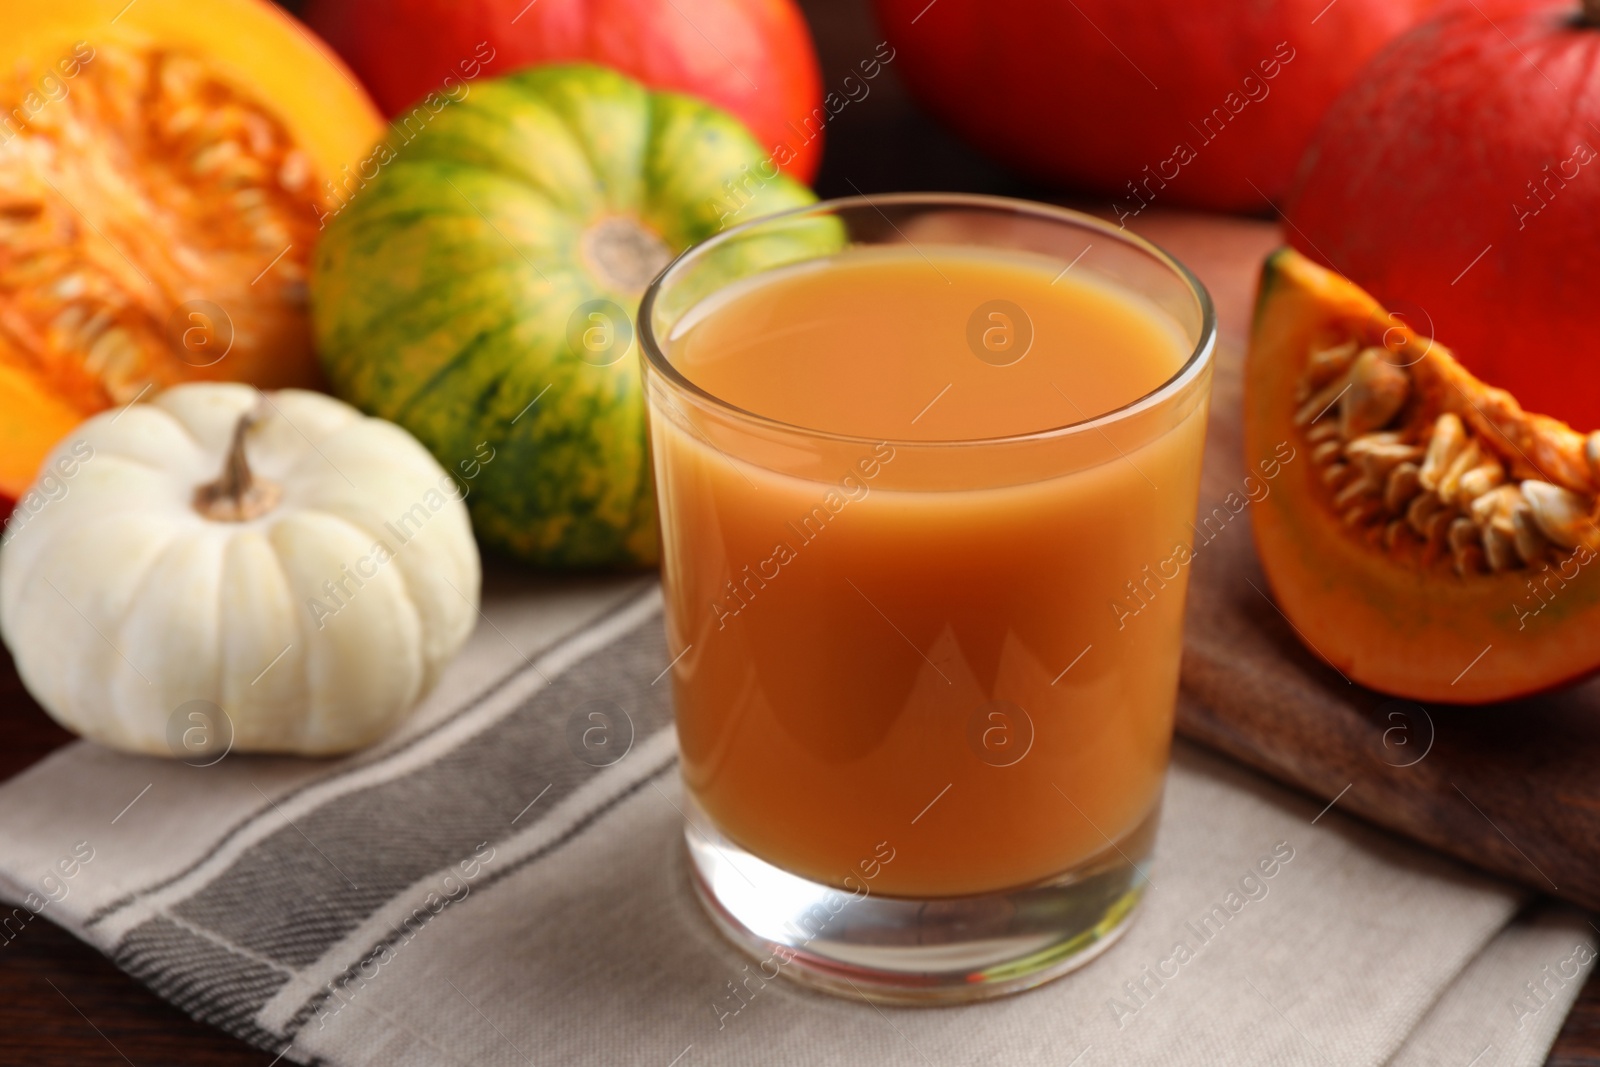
(926, 468)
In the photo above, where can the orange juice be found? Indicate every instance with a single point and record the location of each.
(927, 644)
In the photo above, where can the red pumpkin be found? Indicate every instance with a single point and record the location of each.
(1460, 180)
(1150, 101)
(752, 58)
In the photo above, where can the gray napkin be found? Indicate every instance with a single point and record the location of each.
(481, 888)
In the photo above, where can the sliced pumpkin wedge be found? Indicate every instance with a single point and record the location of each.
(1434, 540)
(165, 167)
(24, 440)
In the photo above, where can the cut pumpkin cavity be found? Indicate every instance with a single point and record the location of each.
(161, 180)
(1437, 546)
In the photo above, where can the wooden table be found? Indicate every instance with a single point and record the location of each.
(62, 1003)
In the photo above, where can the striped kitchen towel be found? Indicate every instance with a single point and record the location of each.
(499, 883)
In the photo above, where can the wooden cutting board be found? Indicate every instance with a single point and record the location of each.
(1512, 788)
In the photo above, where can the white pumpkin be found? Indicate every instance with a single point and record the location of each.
(305, 568)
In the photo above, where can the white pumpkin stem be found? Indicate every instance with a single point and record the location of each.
(238, 494)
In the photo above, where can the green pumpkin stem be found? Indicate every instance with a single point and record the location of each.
(237, 495)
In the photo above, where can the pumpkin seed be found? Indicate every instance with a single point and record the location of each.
(1561, 515)
(1468, 458)
(1466, 548)
(1321, 402)
(1322, 431)
(1499, 548)
(1421, 510)
(1378, 390)
(1531, 544)
(1449, 437)
(1478, 481)
(1402, 485)
(1501, 500)
(1379, 440)
(1361, 487)
(1379, 453)
(1326, 364)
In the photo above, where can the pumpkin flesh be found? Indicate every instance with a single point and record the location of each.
(158, 205)
(1438, 610)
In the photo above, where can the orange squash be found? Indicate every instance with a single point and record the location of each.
(751, 58)
(1434, 540)
(1456, 175)
(165, 168)
(1161, 102)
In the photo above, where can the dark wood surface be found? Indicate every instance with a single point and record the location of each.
(61, 1003)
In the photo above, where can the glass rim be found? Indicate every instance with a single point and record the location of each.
(1198, 360)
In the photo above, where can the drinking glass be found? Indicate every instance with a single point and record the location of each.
(924, 688)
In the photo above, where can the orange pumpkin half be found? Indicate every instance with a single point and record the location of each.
(1436, 541)
(163, 173)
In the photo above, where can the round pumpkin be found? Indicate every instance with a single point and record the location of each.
(752, 58)
(163, 168)
(274, 569)
(482, 287)
(1459, 182)
(1428, 537)
(1164, 102)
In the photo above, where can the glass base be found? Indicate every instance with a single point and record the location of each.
(917, 952)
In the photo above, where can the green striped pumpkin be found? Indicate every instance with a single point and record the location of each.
(456, 292)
